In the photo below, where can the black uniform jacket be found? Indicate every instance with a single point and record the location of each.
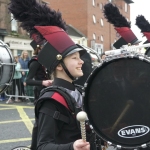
(36, 73)
(55, 134)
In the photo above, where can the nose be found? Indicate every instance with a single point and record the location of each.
(81, 61)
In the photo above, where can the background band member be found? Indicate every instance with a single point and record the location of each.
(37, 76)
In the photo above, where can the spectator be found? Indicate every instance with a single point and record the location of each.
(24, 59)
(29, 92)
(2, 97)
(16, 81)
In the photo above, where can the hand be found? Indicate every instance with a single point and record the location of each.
(47, 82)
(81, 145)
(24, 83)
(23, 73)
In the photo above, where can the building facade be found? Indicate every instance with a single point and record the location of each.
(85, 19)
(17, 39)
(87, 16)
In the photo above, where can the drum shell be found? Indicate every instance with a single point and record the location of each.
(7, 67)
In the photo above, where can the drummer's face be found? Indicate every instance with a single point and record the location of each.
(74, 64)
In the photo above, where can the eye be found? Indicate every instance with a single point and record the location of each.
(74, 57)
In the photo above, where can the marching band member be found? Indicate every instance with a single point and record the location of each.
(56, 109)
(144, 26)
(122, 26)
(37, 76)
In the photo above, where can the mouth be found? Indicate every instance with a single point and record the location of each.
(79, 68)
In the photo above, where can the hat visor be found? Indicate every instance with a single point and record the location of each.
(80, 50)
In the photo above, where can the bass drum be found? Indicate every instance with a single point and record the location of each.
(117, 101)
(91, 60)
(7, 67)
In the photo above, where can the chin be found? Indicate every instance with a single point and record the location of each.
(79, 75)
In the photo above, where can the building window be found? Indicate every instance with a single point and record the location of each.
(101, 6)
(94, 19)
(93, 2)
(102, 39)
(94, 36)
(14, 24)
(102, 22)
(45, 2)
(126, 7)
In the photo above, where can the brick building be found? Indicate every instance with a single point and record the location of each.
(10, 33)
(84, 18)
(87, 17)
(4, 19)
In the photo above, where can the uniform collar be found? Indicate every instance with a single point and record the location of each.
(64, 83)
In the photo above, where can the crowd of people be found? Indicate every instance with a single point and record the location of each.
(19, 91)
(29, 78)
(27, 84)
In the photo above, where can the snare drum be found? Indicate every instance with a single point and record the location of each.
(91, 60)
(7, 67)
(117, 101)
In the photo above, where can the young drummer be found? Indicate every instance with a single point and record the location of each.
(62, 58)
(57, 127)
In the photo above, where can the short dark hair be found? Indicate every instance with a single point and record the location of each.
(36, 50)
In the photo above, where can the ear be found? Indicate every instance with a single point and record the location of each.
(59, 67)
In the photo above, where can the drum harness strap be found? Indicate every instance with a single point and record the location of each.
(62, 96)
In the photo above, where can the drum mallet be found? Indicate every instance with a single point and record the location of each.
(125, 110)
(82, 116)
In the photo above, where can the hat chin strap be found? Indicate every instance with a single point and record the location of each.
(66, 70)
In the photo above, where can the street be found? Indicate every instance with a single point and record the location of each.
(16, 123)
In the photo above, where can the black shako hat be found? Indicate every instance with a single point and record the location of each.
(122, 26)
(144, 26)
(58, 46)
(30, 13)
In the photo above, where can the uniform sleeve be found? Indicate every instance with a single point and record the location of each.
(47, 131)
(34, 66)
